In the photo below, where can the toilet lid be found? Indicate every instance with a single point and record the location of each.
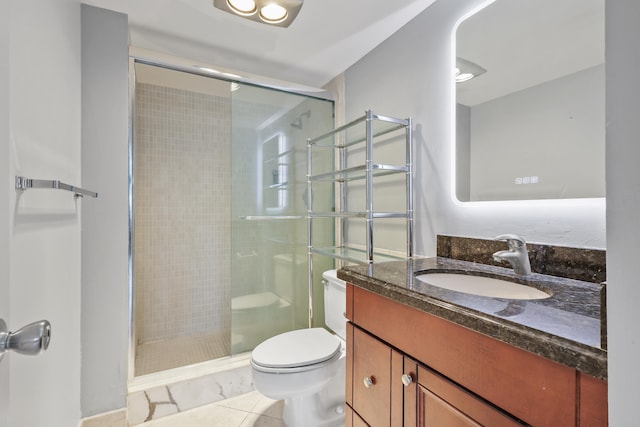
(296, 348)
(253, 301)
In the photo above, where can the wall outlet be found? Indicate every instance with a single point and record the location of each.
(526, 180)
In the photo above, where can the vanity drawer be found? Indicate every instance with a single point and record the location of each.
(534, 389)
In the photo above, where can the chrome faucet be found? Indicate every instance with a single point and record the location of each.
(517, 254)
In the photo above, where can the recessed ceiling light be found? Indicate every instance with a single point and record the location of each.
(463, 77)
(466, 70)
(243, 7)
(273, 13)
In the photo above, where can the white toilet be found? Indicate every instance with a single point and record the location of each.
(306, 367)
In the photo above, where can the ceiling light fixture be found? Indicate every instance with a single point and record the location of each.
(467, 70)
(279, 13)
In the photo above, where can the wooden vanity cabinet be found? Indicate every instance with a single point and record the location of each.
(390, 389)
(454, 376)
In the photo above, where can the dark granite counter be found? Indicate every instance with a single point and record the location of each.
(566, 328)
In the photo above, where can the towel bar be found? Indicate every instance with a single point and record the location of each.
(23, 183)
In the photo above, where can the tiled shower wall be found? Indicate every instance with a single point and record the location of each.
(182, 216)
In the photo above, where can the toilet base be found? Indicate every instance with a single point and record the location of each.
(322, 409)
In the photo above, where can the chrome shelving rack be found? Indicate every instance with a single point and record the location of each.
(363, 133)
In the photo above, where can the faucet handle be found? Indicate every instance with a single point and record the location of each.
(514, 241)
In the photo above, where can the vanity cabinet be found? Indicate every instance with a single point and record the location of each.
(406, 367)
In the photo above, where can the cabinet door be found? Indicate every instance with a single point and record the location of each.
(443, 403)
(371, 379)
(593, 402)
(352, 419)
(436, 412)
(404, 389)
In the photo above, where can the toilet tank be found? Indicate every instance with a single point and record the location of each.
(289, 271)
(335, 303)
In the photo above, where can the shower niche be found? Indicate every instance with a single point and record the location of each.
(218, 246)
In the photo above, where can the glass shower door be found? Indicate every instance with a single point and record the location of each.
(269, 268)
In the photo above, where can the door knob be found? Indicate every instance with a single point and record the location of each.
(31, 339)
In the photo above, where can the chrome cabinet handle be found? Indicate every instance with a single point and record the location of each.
(407, 379)
(31, 339)
(368, 382)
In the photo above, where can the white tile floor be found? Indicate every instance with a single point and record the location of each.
(251, 409)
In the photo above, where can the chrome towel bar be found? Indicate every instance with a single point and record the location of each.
(23, 183)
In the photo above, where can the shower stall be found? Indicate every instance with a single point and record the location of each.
(219, 247)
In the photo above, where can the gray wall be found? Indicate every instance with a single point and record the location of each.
(105, 219)
(554, 130)
(4, 195)
(410, 74)
(623, 205)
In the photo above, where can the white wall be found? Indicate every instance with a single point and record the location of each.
(623, 205)
(105, 219)
(4, 200)
(44, 66)
(409, 74)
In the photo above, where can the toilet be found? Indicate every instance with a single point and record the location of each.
(250, 310)
(258, 316)
(306, 367)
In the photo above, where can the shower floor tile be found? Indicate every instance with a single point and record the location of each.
(156, 356)
(250, 409)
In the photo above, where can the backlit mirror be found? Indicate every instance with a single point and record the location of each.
(275, 161)
(531, 123)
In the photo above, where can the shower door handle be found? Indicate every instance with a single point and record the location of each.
(31, 339)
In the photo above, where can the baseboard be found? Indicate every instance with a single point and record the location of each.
(116, 418)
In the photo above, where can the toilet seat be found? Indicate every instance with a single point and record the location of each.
(254, 301)
(296, 351)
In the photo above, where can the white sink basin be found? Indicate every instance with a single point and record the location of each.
(484, 286)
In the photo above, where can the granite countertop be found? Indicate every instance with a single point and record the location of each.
(566, 328)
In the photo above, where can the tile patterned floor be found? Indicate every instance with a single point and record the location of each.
(250, 409)
(156, 356)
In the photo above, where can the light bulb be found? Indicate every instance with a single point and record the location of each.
(273, 13)
(463, 77)
(243, 7)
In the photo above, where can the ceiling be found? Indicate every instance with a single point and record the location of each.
(327, 37)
